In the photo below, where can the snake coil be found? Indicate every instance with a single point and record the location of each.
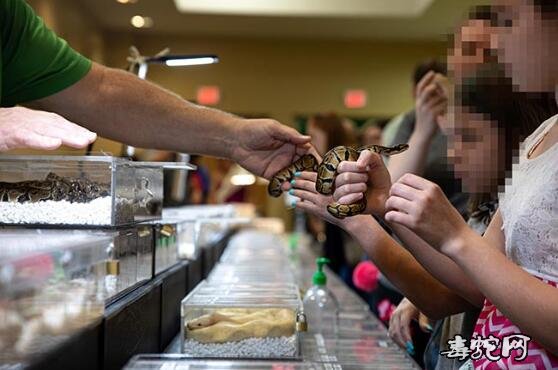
(327, 171)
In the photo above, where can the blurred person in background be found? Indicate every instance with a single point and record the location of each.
(199, 183)
(469, 47)
(427, 154)
(328, 131)
(224, 190)
(371, 133)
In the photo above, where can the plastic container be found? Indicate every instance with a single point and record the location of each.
(165, 247)
(251, 274)
(167, 362)
(84, 191)
(251, 321)
(129, 259)
(51, 286)
(320, 305)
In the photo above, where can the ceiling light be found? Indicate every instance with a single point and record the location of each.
(141, 22)
(190, 61)
(127, 1)
(243, 179)
(297, 8)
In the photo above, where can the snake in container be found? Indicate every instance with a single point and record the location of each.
(53, 187)
(327, 170)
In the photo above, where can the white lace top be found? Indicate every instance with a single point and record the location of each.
(529, 208)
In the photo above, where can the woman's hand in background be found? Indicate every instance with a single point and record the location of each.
(400, 324)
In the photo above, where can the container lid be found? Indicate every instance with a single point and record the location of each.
(186, 362)
(32, 258)
(31, 161)
(245, 295)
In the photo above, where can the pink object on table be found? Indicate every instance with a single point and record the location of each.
(365, 276)
(385, 310)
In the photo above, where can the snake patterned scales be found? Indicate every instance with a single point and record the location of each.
(327, 171)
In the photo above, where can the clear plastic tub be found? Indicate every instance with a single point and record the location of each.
(129, 259)
(51, 286)
(165, 235)
(82, 191)
(251, 274)
(252, 321)
(365, 350)
(177, 362)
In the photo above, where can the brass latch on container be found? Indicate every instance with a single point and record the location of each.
(301, 323)
(113, 267)
(167, 230)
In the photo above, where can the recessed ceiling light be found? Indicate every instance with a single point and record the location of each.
(141, 22)
(127, 1)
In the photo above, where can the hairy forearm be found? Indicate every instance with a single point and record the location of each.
(528, 302)
(119, 106)
(398, 265)
(413, 160)
(439, 265)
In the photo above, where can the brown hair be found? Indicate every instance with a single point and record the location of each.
(332, 125)
(491, 93)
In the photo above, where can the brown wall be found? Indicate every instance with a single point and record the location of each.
(284, 77)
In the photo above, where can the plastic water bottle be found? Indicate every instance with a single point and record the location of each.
(320, 305)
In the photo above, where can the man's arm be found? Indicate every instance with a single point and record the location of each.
(118, 105)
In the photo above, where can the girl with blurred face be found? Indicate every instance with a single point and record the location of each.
(511, 272)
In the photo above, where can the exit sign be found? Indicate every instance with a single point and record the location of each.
(355, 98)
(208, 95)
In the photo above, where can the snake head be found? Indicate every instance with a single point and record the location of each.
(399, 148)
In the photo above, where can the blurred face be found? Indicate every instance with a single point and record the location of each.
(474, 150)
(319, 137)
(470, 45)
(528, 45)
(372, 136)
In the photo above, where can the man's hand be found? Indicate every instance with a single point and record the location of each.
(26, 128)
(368, 174)
(265, 146)
(431, 104)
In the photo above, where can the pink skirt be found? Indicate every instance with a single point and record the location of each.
(494, 325)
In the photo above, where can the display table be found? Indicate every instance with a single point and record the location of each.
(361, 342)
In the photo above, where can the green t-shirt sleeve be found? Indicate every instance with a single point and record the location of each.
(35, 62)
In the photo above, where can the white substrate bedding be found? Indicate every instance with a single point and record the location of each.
(273, 347)
(96, 212)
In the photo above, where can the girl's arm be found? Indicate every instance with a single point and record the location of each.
(528, 302)
(431, 296)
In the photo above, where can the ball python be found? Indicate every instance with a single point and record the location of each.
(327, 170)
(235, 324)
(53, 187)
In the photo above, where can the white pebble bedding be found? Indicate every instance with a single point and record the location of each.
(50, 212)
(272, 347)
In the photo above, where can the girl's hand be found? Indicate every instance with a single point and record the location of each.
(422, 206)
(368, 174)
(400, 324)
(304, 187)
